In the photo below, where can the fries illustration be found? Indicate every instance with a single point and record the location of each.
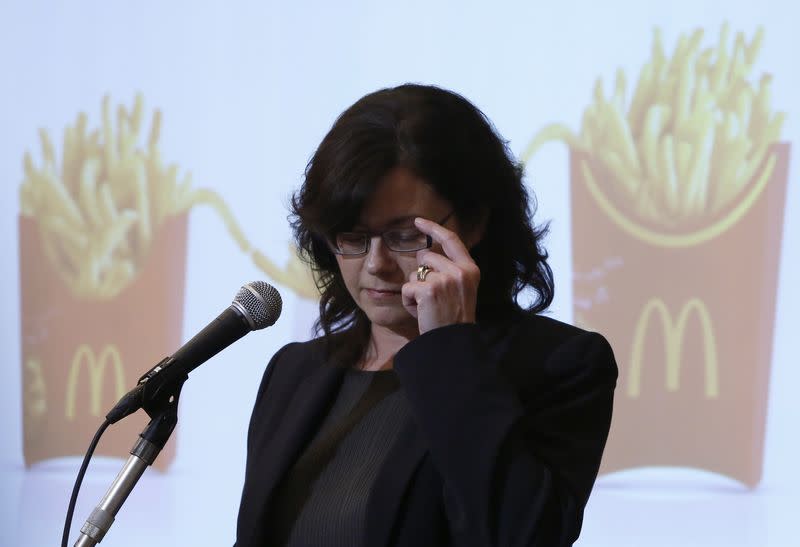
(100, 208)
(691, 142)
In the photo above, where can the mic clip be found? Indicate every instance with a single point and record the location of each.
(165, 362)
(157, 390)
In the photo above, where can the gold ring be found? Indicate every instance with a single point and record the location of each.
(422, 271)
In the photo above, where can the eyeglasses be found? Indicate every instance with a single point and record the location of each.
(401, 240)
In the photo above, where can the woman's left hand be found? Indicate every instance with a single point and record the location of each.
(449, 293)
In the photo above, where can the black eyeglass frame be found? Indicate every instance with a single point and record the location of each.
(369, 235)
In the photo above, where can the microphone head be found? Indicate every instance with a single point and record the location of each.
(259, 303)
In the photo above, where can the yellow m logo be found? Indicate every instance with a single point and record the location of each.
(96, 366)
(673, 342)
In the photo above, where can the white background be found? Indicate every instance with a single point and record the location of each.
(247, 90)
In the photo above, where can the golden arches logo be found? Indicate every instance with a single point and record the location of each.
(673, 343)
(96, 365)
(35, 394)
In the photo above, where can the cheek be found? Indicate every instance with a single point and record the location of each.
(350, 270)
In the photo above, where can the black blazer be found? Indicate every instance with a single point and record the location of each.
(509, 424)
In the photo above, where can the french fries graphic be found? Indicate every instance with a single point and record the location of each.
(677, 185)
(688, 144)
(99, 209)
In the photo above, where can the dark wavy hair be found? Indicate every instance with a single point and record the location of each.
(449, 143)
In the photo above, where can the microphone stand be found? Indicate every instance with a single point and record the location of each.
(157, 393)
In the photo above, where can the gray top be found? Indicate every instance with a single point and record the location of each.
(323, 498)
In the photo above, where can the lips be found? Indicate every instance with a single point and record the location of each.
(382, 294)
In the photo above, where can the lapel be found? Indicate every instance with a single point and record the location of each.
(409, 449)
(293, 429)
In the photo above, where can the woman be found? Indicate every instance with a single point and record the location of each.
(433, 409)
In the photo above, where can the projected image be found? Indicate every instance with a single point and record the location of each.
(103, 229)
(670, 183)
(150, 153)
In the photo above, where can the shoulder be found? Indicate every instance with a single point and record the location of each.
(297, 359)
(545, 328)
(290, 365)
(558, 349)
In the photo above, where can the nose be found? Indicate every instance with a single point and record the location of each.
(379, 258)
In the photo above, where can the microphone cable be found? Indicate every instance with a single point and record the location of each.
(79, 479)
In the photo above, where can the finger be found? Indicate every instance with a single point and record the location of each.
(429, 278)
(417, 292)
(466, 273)
(437, 262)
(451, 244)
(409, 298)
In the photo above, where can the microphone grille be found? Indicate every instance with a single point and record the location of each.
(260, 303)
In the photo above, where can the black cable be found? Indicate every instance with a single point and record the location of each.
(79, 480)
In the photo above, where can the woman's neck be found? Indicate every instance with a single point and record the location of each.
(383, 344)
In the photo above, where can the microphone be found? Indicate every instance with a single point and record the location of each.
(257, 305)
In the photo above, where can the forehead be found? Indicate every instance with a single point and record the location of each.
(399, 197)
